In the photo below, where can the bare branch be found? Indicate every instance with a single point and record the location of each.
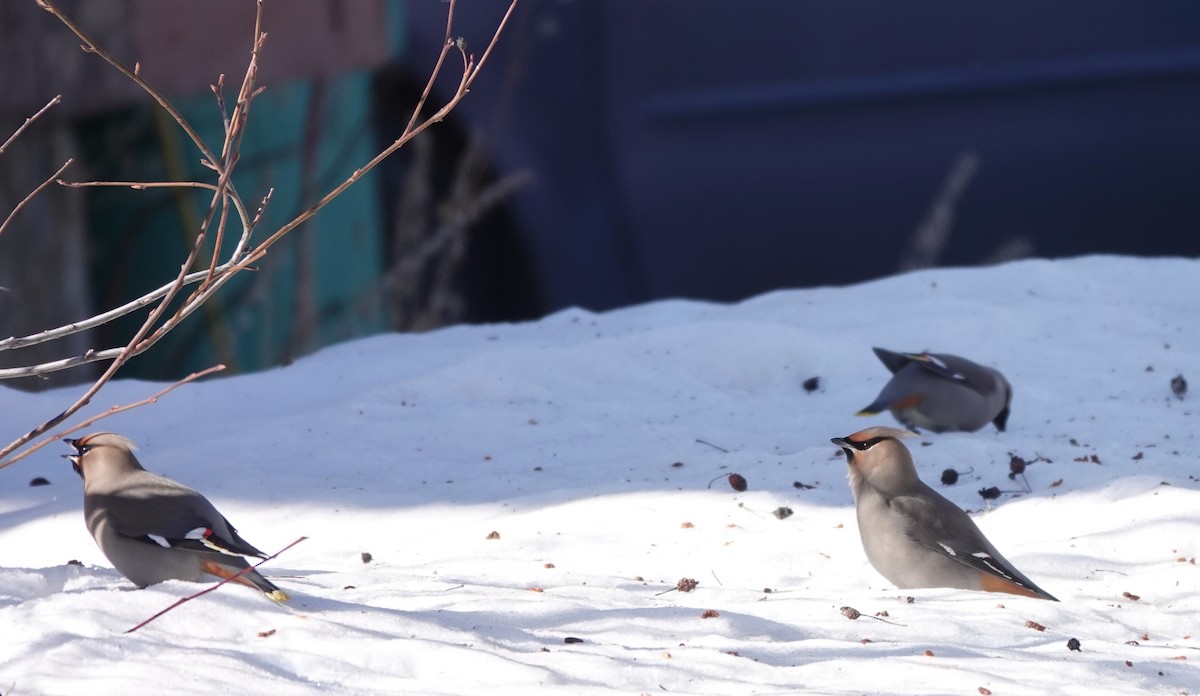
(241, 258)
(33, 193)
(137, 185)
(16, 134)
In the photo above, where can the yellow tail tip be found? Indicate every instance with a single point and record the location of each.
(278, 596)
(866, 412)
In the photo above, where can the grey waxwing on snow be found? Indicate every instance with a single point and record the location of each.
(941, 392)
(152, 528)
(912, 535)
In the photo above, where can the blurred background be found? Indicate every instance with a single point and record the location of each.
(611, 153)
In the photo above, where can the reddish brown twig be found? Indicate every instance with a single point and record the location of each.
(114, 410)
(201, 593)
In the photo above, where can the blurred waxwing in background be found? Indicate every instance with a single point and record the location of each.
(941, 392)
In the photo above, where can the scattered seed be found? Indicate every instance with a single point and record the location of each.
(782, 512)
(1130, 596)
(1056, 484)
(1128, 663)
(850, 613)
(989, 493)
(802, 486)
(1035, 625)
(366, 556)
(949, 477)
(985, 691)
(709, 614)
(493, 535)
(812, 384)
(570, 639)
(1137, 456)
(686, 584)
(736, 481)
(687, 525)
(1073, 644)
(1179, 386)
(548, 565)
(267, 633)
(39, 481)
(928, 653)
(1016, 465)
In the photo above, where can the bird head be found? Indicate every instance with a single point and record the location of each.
(877, 458)
(101, 450)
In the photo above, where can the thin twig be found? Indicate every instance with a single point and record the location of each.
(716, 447)
(114, 410)
(16, 134)
(201, 593)
(138, 185)
(36, 191)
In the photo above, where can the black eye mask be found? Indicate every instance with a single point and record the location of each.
(860, 446)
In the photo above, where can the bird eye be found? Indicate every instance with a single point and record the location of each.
(865, 444)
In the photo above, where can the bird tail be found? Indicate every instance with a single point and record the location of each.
(244, 575)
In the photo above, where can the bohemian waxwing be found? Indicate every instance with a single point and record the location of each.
(941, 392)
(154, 529)
(912, 535)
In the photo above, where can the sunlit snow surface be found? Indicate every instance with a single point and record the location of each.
(587, 443)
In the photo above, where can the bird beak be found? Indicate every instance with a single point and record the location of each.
(847, 446)
(74, 458)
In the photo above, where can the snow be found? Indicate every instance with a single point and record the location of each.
(588, 442)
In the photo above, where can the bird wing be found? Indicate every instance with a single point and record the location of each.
(177, 519)
(936, 365)
(938, 525)
(892, 360)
